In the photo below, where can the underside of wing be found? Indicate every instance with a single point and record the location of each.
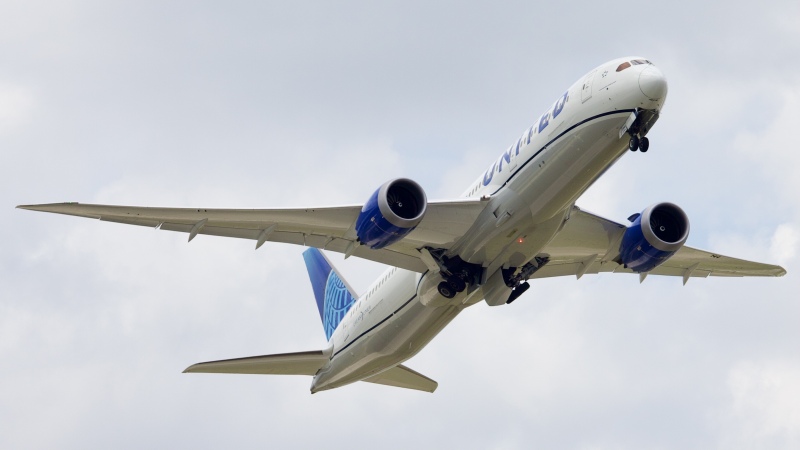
(329, 228)
(590, 244)
(403, 377)
(300, 363)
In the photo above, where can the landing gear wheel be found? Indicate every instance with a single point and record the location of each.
(457, 284)
(644, 144)
(633, 145)
(445, 289)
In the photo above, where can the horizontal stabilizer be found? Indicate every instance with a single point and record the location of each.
(300, 363)
(403, 377)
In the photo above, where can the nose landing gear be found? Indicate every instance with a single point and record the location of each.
(633, 145)
(639, 128)
(636, 143)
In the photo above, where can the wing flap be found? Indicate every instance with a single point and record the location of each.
(445, 222)
(300, 363)
(403, 377)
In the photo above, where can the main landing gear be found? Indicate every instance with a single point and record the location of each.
(636, 143)
(444, 289)
(452, 286)
(457, 274)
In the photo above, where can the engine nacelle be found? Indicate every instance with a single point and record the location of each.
(393, 211)
(655, 235)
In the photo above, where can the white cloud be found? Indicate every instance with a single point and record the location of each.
(773, 150)
(764, 409)
(17, 104)
(455, 178)
(784, 243)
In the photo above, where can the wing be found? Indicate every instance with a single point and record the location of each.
(329, 228)
(589, 244)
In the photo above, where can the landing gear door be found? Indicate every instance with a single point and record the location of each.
(586, 91)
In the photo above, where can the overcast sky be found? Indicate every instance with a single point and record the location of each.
(236, 104)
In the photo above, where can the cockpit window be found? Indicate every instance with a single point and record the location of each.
(633, 62)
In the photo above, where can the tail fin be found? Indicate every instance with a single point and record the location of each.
(334, 295)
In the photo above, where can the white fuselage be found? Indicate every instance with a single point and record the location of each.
(532, 186)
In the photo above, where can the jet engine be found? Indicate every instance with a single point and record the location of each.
(655, 235)
(393, 211)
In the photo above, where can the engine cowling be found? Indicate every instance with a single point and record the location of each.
(393, 211)
(655, 235)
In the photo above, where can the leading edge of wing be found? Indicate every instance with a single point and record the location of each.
(153, 215)
(329, 228)
(449, 211)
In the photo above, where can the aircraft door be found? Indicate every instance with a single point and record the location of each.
(586, 91)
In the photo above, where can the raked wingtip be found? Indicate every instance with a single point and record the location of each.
(45, 207)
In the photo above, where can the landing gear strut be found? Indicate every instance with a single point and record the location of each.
(458, 274)
(643, 123)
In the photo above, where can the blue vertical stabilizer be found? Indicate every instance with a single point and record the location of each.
(334, 296)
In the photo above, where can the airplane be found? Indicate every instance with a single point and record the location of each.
(516, 222)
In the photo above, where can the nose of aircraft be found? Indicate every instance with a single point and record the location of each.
(652, 83)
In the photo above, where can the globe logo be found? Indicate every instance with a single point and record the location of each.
(337, 303)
